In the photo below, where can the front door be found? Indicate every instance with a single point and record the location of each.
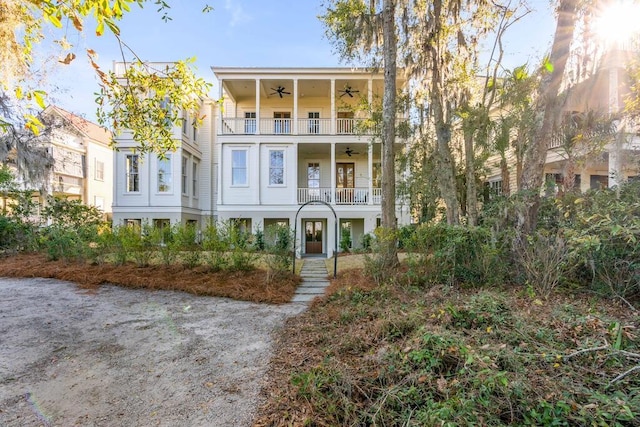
(313, 237)
(345, 182)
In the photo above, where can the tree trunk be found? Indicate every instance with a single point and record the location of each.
(536, 153)
(472, 197)
(389, 241)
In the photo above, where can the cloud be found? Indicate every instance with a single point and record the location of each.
(238, 15)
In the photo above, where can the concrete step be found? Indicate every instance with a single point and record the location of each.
(303, 298)
(310, 291)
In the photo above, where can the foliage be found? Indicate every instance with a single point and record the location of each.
(544, 261)
(279, 247)
(215, 246)
(345, 239)
(466, 256)
(69, 213)
(187, 240)
(377, 263)
(135, 101)
(455, 357)
(149, 99)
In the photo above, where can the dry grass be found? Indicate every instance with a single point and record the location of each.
(250, 285)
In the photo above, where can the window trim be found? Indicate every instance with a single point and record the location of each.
(246, 167)
(284, 166)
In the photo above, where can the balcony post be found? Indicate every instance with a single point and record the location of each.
(333, 172)
(333, 107)
(370, 172)
(295, 106)
(370, 91)
(220, 95)
(257, 106)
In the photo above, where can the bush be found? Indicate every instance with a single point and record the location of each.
(456, 255)
(279, 246)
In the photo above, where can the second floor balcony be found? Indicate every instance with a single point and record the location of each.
(288, 126)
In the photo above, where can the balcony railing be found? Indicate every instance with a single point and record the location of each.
(242, 126)
(340, 196)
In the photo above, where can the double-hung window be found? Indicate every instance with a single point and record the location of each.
(99, 173)
(165, 177)
(185, 188)
(194, 180)
(239, 167)
(276, 167)
(132, 173)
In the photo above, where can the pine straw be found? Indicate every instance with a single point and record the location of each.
(253, 286)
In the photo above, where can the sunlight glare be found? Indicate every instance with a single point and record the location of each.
(618, 22)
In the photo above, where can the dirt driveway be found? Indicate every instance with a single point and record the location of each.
(122, 357)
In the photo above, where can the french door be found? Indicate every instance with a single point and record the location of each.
(313, 237)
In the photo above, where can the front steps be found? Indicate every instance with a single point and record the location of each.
(314, 280)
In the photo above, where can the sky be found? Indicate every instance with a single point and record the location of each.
(243, 33)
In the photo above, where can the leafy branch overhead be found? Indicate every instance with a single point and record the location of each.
(22, 26)
(148, 100)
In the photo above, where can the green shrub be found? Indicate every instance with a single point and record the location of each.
(456, 255)
(186, 239)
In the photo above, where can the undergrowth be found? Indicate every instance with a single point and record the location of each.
(408, 356)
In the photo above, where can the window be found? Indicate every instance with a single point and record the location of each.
(164, 174)
(250, 122)
(276, 167)
(495, 187)
(314, 122)
(313, 180)
(345, 122)
(194, 180)
(133, 173)
(238, 167)
(185, 162)
(185, 119)
(99, 172)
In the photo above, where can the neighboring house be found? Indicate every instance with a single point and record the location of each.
(82, 159)
(282, 137)
(288, 136)
(601, 96)
(175, 189)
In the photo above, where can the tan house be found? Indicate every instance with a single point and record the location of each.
(603, 158)
(82, 159)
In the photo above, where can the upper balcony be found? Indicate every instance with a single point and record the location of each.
(299, 101)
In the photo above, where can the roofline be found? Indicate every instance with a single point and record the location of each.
(294, 70)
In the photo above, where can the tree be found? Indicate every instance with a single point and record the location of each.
(142, 90)
(365, 31)
(550, 104)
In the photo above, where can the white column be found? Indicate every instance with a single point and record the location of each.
(333, 173)
(257, 106)
(370, 172)
(220, 95)
(295, 106)
(220, 172)
(370, 92)
(333, 107)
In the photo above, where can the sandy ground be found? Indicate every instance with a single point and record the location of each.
(122, 357)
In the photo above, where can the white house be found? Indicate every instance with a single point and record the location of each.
(291, 136)
(281, 138)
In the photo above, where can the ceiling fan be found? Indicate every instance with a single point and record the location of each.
(348, 90)
(349, 152)
(279, 91)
